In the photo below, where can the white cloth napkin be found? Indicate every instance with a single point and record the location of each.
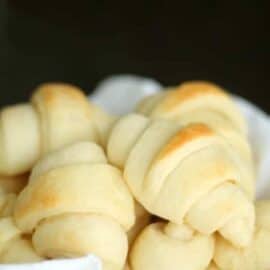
(86, 263)
(119, 95)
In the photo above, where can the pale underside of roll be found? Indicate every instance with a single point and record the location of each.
(164, 246)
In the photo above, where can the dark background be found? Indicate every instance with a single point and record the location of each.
(83, 41)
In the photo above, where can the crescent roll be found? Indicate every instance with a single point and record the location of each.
(164, 246)
(186, 174)
(75, 204)
(57, 115)
(201, 102)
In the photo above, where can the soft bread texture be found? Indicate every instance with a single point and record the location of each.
(201, 102)
(164, 246)
(256, 255)
(57, 115)
(143, 219)
(186, 174)
(19, 139)
(76, 204)
(14, 248)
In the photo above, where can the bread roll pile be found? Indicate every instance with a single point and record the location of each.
(170, 186)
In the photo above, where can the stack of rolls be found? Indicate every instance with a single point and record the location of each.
(181, 173)
(171, 186)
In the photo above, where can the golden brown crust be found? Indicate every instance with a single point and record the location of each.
(185, 135)
(189, 90)
(51, 91)
(52, 95)
(66, 116)
(39, 199)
